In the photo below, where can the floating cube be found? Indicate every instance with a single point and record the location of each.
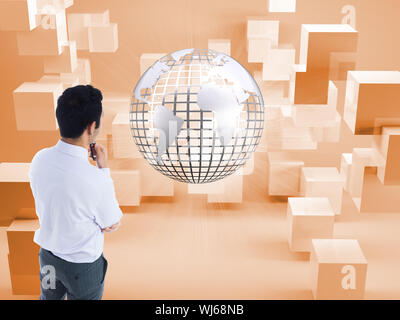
(15, 192)
(99, 19)
(78, 24)
(262, 35)
(338, 269)
(329, 133)
(281, 133)
(257, 49)
(388, 144)
(284, 174)
(278, 62)
(16, 199)
(103, 38)
(362, 158)
(233, 192)
(113, 104)
(345, 168)
(123, 144)
(148, 59)
(43, 5)
(23, 285)
(20, 235)
(56, 79)
(271, 136)
(296, 68)
(282, 5)
(367, 89)
(66, 62)
(248, 167)
(340, 64)
(297, 138)
(315, 115)
(275, 93)
(18, 15)
(217, 187)
(259, 28)
(376, 197)
(318, 41)
(93, 31)
(26, 214)
(127, 187)
(47, 39)
(35, 104)
(323, 182)
(308, 218)
(152, 183)
(220, 45)
(23, 257)
(82, 74)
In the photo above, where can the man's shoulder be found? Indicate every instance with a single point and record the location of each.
(40, 155)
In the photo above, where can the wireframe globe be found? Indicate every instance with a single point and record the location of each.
(197, 115)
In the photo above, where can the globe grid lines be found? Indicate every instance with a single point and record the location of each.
(177, 90)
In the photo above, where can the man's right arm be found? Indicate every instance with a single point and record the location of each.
(108, 212)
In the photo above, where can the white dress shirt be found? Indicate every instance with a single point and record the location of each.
(74, 200)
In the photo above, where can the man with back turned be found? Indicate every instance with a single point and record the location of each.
(75, 201)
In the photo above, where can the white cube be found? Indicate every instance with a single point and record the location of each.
(282, 6)
(284, 174)
(323, 182)
(127, 187)
(308, 218)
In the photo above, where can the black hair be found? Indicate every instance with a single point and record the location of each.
(77, 108)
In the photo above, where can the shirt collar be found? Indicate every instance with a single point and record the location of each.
(73, 150)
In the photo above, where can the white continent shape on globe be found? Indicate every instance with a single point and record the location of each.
(169, 127)
(225, 107)
(232, 70)
(181, 53)
(150, 78)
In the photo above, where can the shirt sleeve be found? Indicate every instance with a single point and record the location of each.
(31, 174)
(106, 171)
(108, 211)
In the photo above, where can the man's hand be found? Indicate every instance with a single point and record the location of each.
(112, 228)
(101, 154)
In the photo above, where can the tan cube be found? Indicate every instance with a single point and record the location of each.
(66, 62)
(220, 45)
(103, 38)
(15, 191)
(284, 174)
(47, 39)
(282, 6)
(127, 187)
(78, 24)
(233, 190)
(35, 104)
(323, 182)
(338, 269)
(123, 144)
(23, 257)
(308, 218)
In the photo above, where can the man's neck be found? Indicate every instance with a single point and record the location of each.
(79, 142)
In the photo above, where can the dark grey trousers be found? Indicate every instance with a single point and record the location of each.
(76, 281)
